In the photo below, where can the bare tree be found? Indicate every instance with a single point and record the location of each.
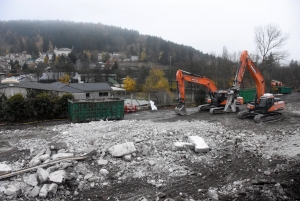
(269, 40)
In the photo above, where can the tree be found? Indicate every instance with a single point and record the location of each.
(129, 84)
(65, 79)
(46, 59)
(156, 81)
(115, 66)
(270, 39)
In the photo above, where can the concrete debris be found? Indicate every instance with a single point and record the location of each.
(62, 155)
(42, 175)
(4, 168)
(34, 162)
(102, 162)
(52, 189)
(34, 192)
(44, 191)
(32, 180)
(13, 190)
(200, 144)
(44, 157)
(104, 172)
(58, 176)
(177, 146)
(122, 149)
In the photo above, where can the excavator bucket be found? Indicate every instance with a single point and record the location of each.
(180, 109)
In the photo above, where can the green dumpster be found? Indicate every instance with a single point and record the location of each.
(284, 90)
(247, 94)
(95, 110)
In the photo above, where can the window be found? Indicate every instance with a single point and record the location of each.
(87, 95)
(103, 94)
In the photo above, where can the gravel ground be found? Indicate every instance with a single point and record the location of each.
(246, 161)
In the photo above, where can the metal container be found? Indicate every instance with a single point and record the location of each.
(247, 94)
(95, 110)
(284, 90)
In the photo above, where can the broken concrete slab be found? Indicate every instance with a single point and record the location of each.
(42, 175)
(4, 168)
(34, 162)
(52, 189)
(62, 155)
(58, 176)
(102, 162)
(104, 172)
(44, 157)
(32, 180)
(44, 191)
(178, 146)
(200, 144)
(12, 190)
(34, 192)
(122, 149)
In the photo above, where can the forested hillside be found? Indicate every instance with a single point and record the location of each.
(42, 36)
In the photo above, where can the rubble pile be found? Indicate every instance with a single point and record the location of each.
(130, 149)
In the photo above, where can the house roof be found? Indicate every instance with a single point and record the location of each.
(58, 86)
(91, 86)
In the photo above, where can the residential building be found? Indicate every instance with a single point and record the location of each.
(79, 90)
(62, 51)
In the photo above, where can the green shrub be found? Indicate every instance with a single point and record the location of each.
(43, 106)
(63, 104)
(15, 109)
(200, 97)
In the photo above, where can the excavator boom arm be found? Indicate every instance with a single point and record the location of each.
(255, 73)
(181, 78)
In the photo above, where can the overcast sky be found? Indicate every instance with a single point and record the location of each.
(207, 25)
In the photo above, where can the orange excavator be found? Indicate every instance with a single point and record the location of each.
(265, 106)
(216, 102)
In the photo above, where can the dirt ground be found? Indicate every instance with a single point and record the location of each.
(231, 172)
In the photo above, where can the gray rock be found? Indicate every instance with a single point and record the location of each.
(44, 157)
(102, 162)
(13, 190)
(62, 155)
(104, 172)
(127, 157)
(52, 189)
(4, 168)
(122, 149)
(213, 195)
(42, 175)
(34, 192)
(44, 191)
(2, 189)
(151, 163)
(57, 176)
(34, 162)
(65, 165)
(32, 180)
(88, 176)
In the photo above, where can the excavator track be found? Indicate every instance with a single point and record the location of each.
(217, 110)
(204, 107)
(271, 117)
(220, 110)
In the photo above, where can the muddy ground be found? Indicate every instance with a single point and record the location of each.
(268, 170)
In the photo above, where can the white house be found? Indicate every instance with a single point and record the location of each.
(62, 51)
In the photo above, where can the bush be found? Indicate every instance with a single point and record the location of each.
(61, 106)
(43, 106)
(15, 109)
(200, 97)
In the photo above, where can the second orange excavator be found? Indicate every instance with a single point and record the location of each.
(215, 104)
(265, 107)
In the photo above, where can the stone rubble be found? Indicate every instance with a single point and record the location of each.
(138, 148)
